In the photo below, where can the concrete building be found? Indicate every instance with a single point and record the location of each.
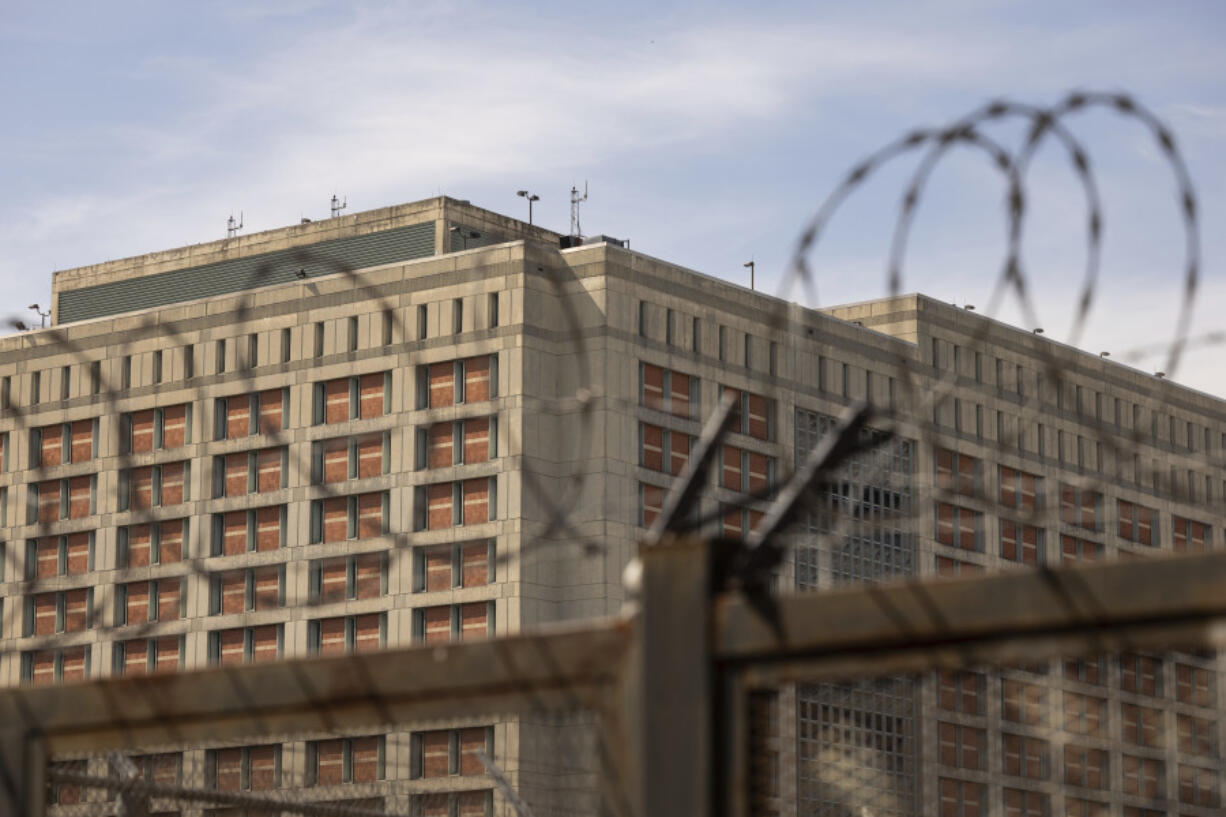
(431, 422)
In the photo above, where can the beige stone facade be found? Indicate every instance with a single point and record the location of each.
(379, 507)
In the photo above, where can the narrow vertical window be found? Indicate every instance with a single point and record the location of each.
(387, 327)
(457, 316)
(694, 336)
(421, 322)
(285, 342)
(189, 362)
(221, 356)
(642, 319)
(492, 309)
(723, 344)
(253, 350)
(95, 377)
(748, 351)
(774, 358)
(66, 381)
(36, 387)
(319, 339)
(353, 333)
(669, 319)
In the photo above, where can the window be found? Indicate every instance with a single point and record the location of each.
(748, 351)
(253, 350)
(453, 622)
(95, 377)
(723, 344)
(960, 746)
(345, 760)
(642, 319)
(421, 322)
(285, 345)
(1141, 674)
(1193, 685)
(959, 527)
(221, 355)
(1021, 702)
(319, 339)
(351, 333)
(1022, 803)
(695, 343)
(961, 691)
(250, 590)
(1021, 543)
(360, 516)
(491, 309)
(1198, 786)
(351, 398)
(249, 768)
(250, 531)
(1142, 725)
(1026, 757)
(125, 375)
(350, 578)
(1085, 714)
(962, 798)
(958, 473)
(448, 752)
(1073, 549)
(157, 366)
(246, 645)
(36, 387)
(1197, 736)
(443, 567)
(1085, 767)
(457, 316)
(669, 319)
(66, 377)
(189, 362)
(774, 361)
(1020, 490)
(1081, 507)
(1137, 523)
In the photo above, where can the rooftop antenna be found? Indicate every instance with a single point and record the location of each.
(232, 226)
(575, 201)
(41, 314)
(338, 205)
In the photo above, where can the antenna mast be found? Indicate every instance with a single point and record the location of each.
(575, 201)
(232, 226)
(338, 205)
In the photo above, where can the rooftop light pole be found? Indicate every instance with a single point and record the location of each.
(41, 314)
(531, 197)
(750, 265)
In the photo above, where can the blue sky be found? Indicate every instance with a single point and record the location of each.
(708, 133)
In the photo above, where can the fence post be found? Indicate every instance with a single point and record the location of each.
(667, 686)
(23, 773)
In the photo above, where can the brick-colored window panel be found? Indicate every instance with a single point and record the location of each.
(1077, 807)
(272, 412)
(1021, 702)
(474, 620)
(438, 568)
(365, 759)
(434, 805)
(230, 643)
(163, 769)
(73, 663)
(732, 468)
(229, 769)
(268, 470)
(233, 589)
(1140, 673)
(370, 515)
(169, 599)
(653, 503)
(1196, 735)
(370, 456)
(267, 587)
(758, 407)
(332, 636)
(332, 581)
(956, 567)
(78, 554)
(472, 741)
(52, 451)
(139, 542)
(1022, 803)
(960, 746)
(960, 691)
(370, 395)
(82, 440)
(1026, 757)
(1085, 767)
(142, 431)
(173, 483)
(76, 610)
(368, 576)
(174, 426)
(336, 401)
(336, 461)
(1019, 543)
(43, 665)
(1084, 714)
(168, 657)
(476, 501)
(757, 471)
(440, 444)
(330, 762)
(961, 798)
(264, 640)
(679, 394)
(653, 387)
(267, 528)
(438, 498)
(237, 469)
(238, 416)
(442, 384)
(470, 803)
(437, 624)
(138, 603)
(1143, 776)
(79, 492)
(366, 632)
(49, 501)
(435, 754)
(234, 533)
(171, 544)
(679, 452)
(476, 440)
(336, 519)
(652, 455)
(1192, 685)
(475, 562)
(47, 557)
(44, 614)
(476, 379)
(733, 526)
(1198, 786)
(1142, 725)
(136, 657)
(1189, 536)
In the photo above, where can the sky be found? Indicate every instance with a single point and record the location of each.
(707, 133)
